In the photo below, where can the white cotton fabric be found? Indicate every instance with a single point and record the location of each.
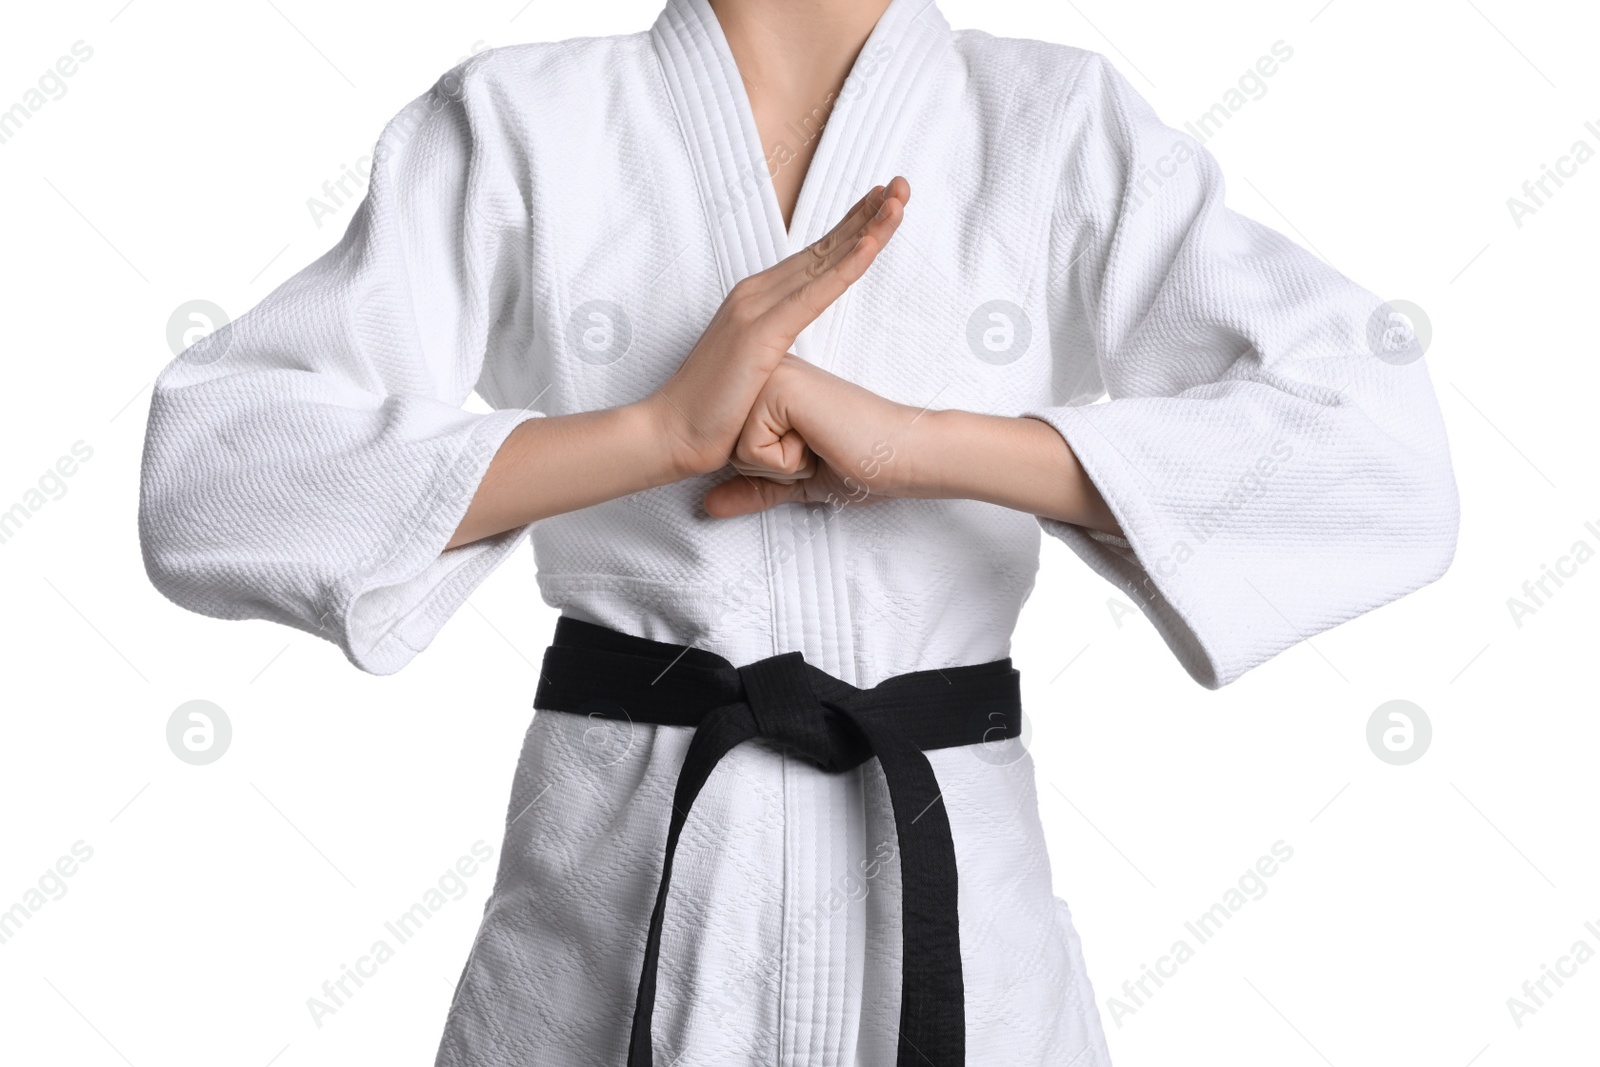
(552, 225)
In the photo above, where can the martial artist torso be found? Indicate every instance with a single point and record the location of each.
(659, 200)
(782, 943)
(554, 225)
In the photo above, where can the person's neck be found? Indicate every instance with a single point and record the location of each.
(794, 56)
(785, 44)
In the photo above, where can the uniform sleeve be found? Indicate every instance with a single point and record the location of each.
(308, 462)
(1265, 431)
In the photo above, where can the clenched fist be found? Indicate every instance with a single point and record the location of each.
(812, 437)
(703, 406)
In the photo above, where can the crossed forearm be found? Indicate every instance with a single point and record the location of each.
(794, 432)
(555, 465)
(1018, 463)
(563, 463)
(861, 446)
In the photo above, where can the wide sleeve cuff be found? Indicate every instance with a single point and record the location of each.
(1121, 560)
(392, 610)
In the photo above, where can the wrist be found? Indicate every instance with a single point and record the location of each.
(879, 445)
(657, 440)
(673, 448)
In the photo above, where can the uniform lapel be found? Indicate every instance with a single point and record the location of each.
(861, 143)
(861, 146)
(862, 135)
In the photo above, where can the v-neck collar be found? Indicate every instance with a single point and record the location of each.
(861, 135)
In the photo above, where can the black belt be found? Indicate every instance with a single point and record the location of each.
(591, 670)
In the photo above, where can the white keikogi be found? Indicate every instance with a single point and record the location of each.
(553, 225)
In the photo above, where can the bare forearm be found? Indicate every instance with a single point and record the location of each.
(554, 465)
(1017, 463)
(690, 424)
(863, 440)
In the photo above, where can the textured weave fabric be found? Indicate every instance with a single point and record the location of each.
(553, 225)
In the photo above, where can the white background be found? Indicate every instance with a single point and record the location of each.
(219, 898)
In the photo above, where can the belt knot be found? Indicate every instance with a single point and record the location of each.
(789, 714)
(834, 726)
